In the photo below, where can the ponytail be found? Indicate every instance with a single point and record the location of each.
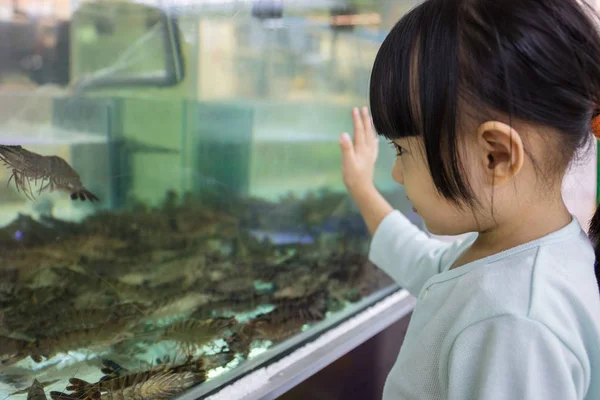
(594, 231)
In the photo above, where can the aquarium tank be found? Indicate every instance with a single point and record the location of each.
(171, 201)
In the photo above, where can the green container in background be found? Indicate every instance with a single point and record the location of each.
(259, 148)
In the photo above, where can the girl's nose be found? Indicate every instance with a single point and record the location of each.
(398, 173)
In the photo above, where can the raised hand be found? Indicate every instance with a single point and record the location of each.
(359, 156)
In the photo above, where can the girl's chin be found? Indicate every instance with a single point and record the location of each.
(433, 228)
(437, 232)
(440, 229)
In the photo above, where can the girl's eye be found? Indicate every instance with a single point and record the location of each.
(399, 149)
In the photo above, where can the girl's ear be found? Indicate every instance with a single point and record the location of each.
(500, 151)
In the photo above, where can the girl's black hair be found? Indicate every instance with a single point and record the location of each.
(536, 61)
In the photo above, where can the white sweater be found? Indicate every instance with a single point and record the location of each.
(521, 324)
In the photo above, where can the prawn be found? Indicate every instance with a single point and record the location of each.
(36, 391)
(53, 172)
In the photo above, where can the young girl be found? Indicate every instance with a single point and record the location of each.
(487, 103)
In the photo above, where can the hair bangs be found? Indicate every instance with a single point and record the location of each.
(415, 90)
(394, 94)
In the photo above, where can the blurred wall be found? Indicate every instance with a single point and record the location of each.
(60, 9)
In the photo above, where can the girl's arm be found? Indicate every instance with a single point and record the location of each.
(402, 250)
(373, 207)
(408, 255)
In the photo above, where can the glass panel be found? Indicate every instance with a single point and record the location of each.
(120, 43)
(186, 207)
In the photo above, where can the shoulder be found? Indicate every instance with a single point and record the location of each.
(547, 290)
(538, 280)
(514, 329)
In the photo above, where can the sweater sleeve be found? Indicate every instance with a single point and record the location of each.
(407, 254)
(512, 358)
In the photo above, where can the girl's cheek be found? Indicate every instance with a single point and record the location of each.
(398, 172)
